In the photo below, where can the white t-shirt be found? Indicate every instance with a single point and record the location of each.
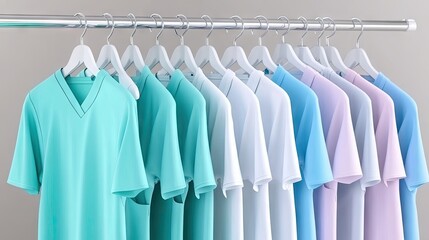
(252, 154)
(224, 156)
(280, 141)
(351, 197)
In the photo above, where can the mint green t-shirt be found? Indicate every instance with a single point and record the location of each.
(160, 148)
(167, 216)
(78, 146)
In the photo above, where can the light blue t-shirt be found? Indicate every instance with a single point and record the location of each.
(78, 145)
(407, 124)
(310, 143)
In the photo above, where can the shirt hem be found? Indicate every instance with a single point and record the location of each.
(287, 183)
(130, 193)
(349, 178)
(204, 188)
(231, 186)
(318, 184)
(261, 181)
(393, 178)
(416, 184)
(292, 179)
(28, 188)
(173, 192)
(370, 183)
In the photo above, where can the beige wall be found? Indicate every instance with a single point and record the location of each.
(28, 56)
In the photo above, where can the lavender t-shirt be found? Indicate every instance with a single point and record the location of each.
(351, 197)
(383, 218)
(342, 150)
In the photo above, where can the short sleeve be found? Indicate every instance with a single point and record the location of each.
(204, 180)
(291, 173)
(130, 177)
(316, 167)
(341, 144)
(253, 151)
(282, 145)
(27, 168)
(224, 149)
(392, 167)
(164, 136)
(412, 148)
(367, 148)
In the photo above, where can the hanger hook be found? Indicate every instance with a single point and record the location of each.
(80, 16)
(182, 18)
(361, 30)
(334, 29)
(305, 22)
(207, 17)
(107, 16)
(133, 20)
(259, 17)
(323, 29)
(286, 20)
(235, 18)
(153, 15)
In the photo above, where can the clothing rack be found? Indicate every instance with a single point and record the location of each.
(70, 21)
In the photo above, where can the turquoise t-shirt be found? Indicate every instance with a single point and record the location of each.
(160, 148)
(167, 216)
(410, 141)
(312, 153)
(78, 146)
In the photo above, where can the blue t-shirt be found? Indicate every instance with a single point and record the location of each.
(407, 124)
(310, 143)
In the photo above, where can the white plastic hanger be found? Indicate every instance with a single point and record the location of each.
(81, 54)
(208, 54)
(236, 54)
(182, 54)
(332, 53)
(284, 52)
(304, 52)
(132, 54)
(260, 54)
(158, 54)
(318, 51)
(109, 54)
(358, 57)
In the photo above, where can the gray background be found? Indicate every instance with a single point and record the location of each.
(28, 56)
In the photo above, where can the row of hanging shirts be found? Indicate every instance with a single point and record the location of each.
(293, 59)
(321, 59)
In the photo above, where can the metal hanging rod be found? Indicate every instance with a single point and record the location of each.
(70, 21)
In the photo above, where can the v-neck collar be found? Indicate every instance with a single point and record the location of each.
(81, 109)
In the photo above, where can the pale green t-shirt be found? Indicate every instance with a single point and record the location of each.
(157, 118)
(78, 145)
(167, 216)
(160, 149)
